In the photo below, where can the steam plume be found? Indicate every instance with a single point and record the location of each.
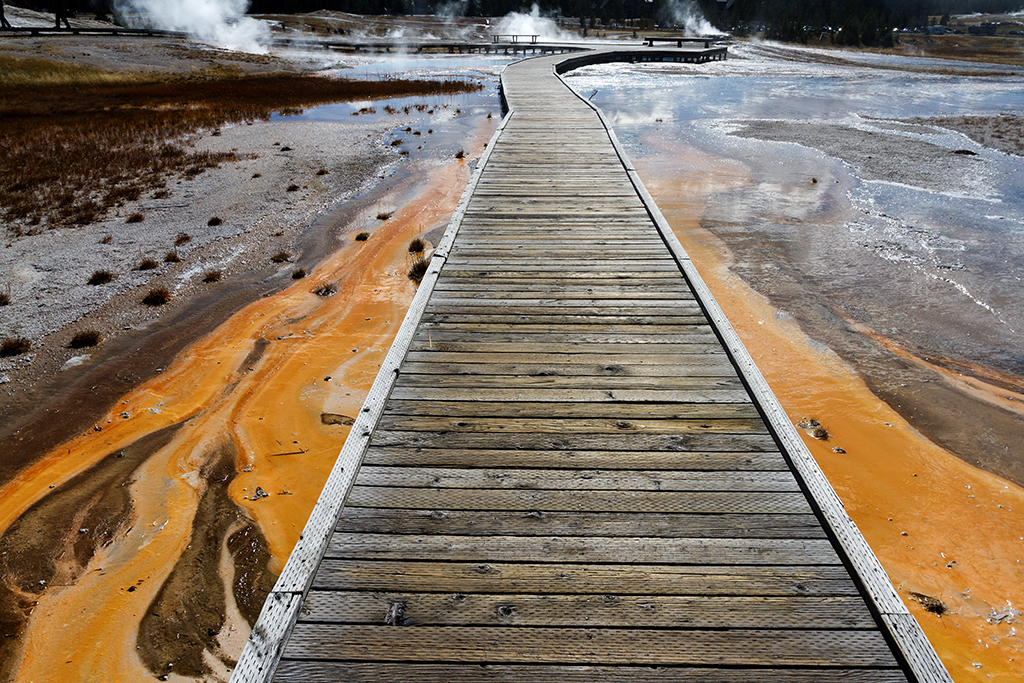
(218, 22)
(685, 13)
(533, 23)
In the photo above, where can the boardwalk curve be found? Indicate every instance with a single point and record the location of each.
(570, 469)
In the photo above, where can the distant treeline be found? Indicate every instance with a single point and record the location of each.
(867, 22)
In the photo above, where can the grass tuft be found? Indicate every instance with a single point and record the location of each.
(14, 346)
(280, 257)
(135, 218)
(293, 188)
(418, 269)
(146, 264)
(107, 239)
(212, 276)
(157, 297)
(417, 246)
(183, 238)
(214, 222)
(820, 432)
(101, 277)
(460, 154)
(5, 298)
(172, 257)
(362, 237)
(85, 339)
(323, 171)
(383, 216)
(298, 273)
(326, 289)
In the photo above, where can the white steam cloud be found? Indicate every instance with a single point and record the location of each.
(217, 22)
(685, 13)
(532, 24)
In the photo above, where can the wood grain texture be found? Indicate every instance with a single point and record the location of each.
(613, 611)
(583, 579)
(735, 647)
(569, 477)
(603, 524)
(361, 672)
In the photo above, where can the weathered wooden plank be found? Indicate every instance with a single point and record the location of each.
(565, 395)
(639, 300)
(625, 359)
(585, 263)
(576, 442)
(547, 330)
(709, 423)
(634, 611)
(735, 647)
(497, 316)
(690, 334)
(536, 523)
(363, 672)
(583, 579)
(680, 308)
(541, 273)
(695, 502)
(603, 382)
(617, 412)
(576, 479)
(703, 366)
(691, 551)
(607, 460)
(633, 293)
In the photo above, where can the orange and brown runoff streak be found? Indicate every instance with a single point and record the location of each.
(226, 396)
(950, 512)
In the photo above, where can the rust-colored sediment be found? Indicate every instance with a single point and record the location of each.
(939, 526)
(255, 387)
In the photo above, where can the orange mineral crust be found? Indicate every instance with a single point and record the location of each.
(941, 528)
(272, 391)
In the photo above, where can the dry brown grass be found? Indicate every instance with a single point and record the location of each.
(418, 269)
(101, 277)
(417, 246)
(280, 257)
(72, 154)
(214, 222)
(157, 297)
(362, 237)
(85, 339)
(14, 346)
(212, 276)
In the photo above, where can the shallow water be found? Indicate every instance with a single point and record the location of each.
(853, 218)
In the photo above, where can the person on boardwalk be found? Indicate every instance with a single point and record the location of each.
(3, 20)
(60, 14)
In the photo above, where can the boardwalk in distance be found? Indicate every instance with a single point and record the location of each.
(569, 470)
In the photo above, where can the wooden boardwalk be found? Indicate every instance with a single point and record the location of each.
(566, 469)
